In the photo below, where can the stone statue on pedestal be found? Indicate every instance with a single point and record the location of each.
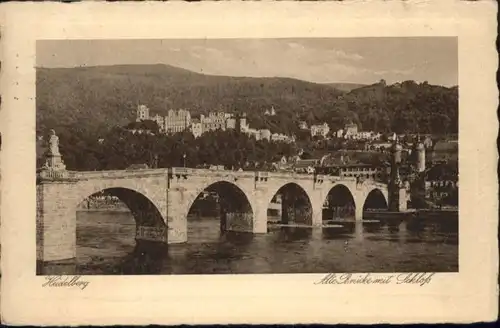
(54, 166)
(54, 144)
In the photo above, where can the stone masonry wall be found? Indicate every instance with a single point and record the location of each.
(56, 222)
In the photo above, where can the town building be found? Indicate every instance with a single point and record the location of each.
(369, 135)
(231, 123)
(142, 113)
(444, 151)
(243, 123)
(279, 137)
(365, 171)
(441, 183)
(303, 125)
(338, 164)
(350, 130)
(321, 130)
(380, 146)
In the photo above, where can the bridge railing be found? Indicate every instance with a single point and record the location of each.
(185, 171)
(113, 173)
(334, 178)
(208, 172)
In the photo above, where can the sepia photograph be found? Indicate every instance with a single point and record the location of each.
(247, 156)
(173, 163)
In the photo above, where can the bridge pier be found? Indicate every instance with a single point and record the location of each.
(56, 223)
(177, 211)
(317, 216)
(260, 220)
(177, 229)
(358, 213)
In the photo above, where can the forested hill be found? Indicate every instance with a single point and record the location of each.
(404, 107)
(108, 95)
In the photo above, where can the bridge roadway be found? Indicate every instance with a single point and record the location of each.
(160, 200)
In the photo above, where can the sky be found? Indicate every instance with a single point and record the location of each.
(320, 60)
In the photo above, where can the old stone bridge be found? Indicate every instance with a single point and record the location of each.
(160, 200)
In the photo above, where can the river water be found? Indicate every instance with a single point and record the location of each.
(106, 245)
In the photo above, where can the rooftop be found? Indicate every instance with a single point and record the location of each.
(445, 151)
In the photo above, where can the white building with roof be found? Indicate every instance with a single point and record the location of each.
(321, 130)
(142, 113)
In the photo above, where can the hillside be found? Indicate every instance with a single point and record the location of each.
(96, 98)
(110, 94)
(405, 107)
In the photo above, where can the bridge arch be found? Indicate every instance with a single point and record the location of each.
(146, 189)
(296, 203)
(139, 230)
(340, 203)
(143, 209)
(375, 199)
(231, 204)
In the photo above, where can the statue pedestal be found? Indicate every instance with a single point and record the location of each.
(56, 223)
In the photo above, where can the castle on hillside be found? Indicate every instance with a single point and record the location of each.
(175, 121)
(180, 120)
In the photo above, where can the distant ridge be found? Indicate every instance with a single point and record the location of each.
(346, 87)
(105, 96)
(155, 69)
(116, 90)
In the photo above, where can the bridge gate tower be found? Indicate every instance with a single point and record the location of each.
(397, 193)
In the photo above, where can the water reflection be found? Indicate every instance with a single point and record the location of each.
(405, 246)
